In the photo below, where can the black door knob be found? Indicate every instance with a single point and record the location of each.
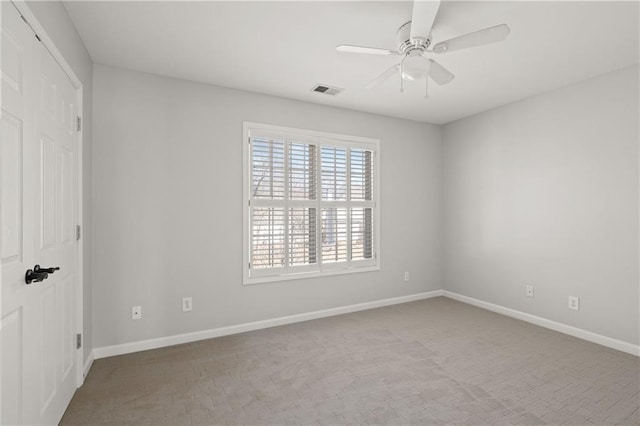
(38, 274)
(34, 276)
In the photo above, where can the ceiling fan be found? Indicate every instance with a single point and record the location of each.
(414, 40)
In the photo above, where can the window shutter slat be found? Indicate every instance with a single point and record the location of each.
(267, 168)
(302, 171)
(334, 235)
(302, 236)
(267, 237)
(361, 174)
(361, 233)
(333, 166)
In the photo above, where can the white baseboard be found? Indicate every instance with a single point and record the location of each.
(553, 325)
(143, 345)
(87, 365)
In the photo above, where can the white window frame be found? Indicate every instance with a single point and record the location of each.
(319, 270)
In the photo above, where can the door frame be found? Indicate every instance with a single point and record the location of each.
(23, 9)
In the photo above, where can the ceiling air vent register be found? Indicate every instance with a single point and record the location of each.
(327, 90)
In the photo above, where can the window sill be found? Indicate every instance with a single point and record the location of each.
(305, 275)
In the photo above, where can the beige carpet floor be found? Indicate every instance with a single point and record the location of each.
(435, 361)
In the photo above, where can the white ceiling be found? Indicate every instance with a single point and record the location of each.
(285, 48)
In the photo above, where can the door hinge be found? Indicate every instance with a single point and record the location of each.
(29, 24)
(78, 232)
(78, 341)
(78, 123)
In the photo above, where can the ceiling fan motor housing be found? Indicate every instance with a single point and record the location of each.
(405, 44)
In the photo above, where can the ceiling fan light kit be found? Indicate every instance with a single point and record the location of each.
(414, 66)
(413, 42)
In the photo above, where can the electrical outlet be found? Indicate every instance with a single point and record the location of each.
(574, 303)
(529, 290)
(406, 276)
(187, 304)
(136, 312)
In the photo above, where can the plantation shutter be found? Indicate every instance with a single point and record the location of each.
(267, 167)
(283, 204)
(362, 204)
(311, 204)
(303, 204)
(267, 204)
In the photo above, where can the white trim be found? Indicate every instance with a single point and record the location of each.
(79, 294)
(47, 42)
(87, 365)
(311, 274)
(80, 243)
(312, 133)
(609, 342)
(160, 342)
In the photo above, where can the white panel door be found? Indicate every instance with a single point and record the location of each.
(38, 208)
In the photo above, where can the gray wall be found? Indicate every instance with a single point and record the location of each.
(53, 17)
(168, 207)
(545, 192)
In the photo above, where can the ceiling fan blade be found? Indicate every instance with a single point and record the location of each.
(368, 50)
(439, 74)
(383, 77)
(477, 38)
(424, 13)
